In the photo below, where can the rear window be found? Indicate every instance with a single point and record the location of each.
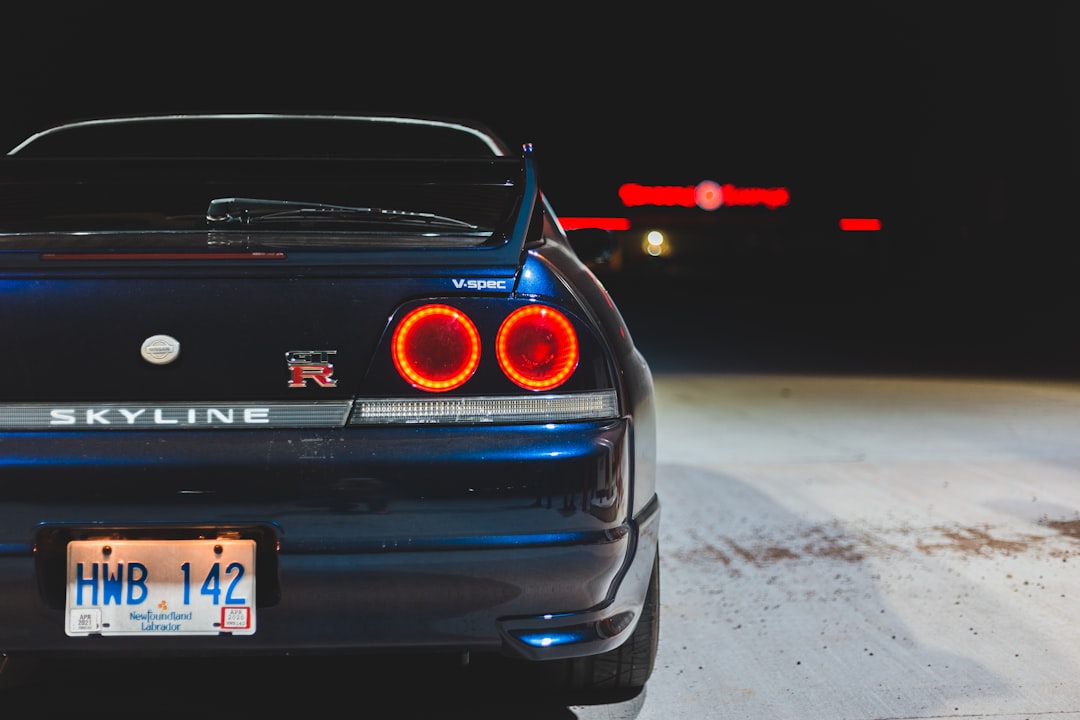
(334, 180)
(338, 197)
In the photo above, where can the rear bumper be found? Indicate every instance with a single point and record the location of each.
(584, 598)
(519, 541)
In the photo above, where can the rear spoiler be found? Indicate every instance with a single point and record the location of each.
(24, 181)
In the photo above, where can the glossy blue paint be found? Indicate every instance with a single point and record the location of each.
(456, 536)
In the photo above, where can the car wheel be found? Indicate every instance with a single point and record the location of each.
(625, 668)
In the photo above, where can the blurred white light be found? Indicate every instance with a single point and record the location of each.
(654, 243)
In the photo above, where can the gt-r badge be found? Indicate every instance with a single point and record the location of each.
(160, 349)
(311, 365)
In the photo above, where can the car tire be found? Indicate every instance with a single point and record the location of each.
(623, 669)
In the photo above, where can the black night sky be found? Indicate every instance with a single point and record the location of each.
(663, 93)
(962, 117)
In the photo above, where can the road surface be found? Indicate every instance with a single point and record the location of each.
(867, 547)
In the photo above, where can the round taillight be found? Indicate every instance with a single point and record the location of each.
(537, 347)
(436, 348)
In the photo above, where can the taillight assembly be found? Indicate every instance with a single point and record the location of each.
(437, 347)
(537, 347)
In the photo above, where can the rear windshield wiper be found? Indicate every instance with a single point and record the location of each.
(254, 210)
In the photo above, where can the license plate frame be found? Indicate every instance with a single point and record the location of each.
(160, 587)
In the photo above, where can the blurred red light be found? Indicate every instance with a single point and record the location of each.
(601, 223)
(633, 194)
(771, 198)
(707, 195)
(860, 224)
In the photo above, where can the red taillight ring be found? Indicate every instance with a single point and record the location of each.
(436, 348)
(537, 347)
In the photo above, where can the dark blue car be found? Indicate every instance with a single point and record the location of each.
(315, 384)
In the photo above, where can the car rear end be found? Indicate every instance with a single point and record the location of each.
(395, 412)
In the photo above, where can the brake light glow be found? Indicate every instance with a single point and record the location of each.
(537, 348)
(436, 348)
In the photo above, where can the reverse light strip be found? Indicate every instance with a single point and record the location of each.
(518, 408)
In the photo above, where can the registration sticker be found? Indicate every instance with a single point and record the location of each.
(161, 587)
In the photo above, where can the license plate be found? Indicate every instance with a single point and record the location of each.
(160, 587)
